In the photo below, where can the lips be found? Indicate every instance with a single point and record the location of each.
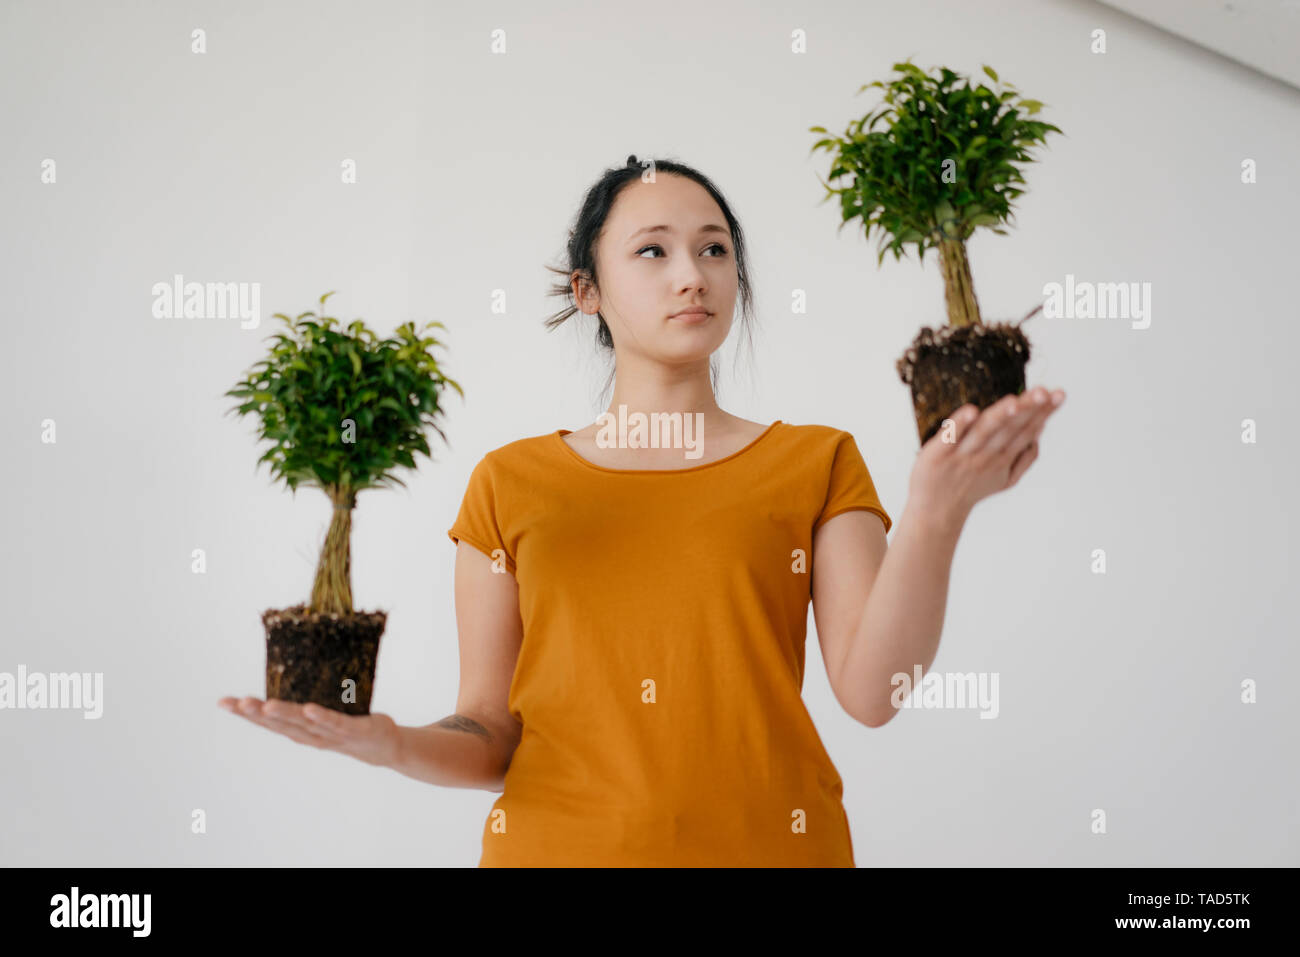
(693, 314)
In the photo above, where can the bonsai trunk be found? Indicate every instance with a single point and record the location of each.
(964, 361)
(958, 286)
(331, 593)
(325, 653)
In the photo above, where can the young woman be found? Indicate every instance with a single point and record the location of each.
(632, 619)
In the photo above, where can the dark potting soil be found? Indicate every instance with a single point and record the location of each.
(951, 366)
(312, 657)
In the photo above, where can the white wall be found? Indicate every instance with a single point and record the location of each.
(1118, 691)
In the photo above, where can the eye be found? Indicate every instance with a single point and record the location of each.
(722, 250)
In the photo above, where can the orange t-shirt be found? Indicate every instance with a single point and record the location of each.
(659, 678)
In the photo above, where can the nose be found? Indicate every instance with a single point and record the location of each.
(690, 278)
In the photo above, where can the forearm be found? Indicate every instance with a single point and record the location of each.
(456, 752)
(903, 617)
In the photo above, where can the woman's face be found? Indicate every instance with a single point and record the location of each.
(648, 274)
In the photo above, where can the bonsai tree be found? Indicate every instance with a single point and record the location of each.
(944, 162)
(342, 409)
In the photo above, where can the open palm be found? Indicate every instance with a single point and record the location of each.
(981, 452)
(371, 738)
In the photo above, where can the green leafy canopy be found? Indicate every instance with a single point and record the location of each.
(318, 377)
(896, 180)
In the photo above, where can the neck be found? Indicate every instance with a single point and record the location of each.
(653, 387)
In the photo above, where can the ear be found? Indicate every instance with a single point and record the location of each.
(584, 293)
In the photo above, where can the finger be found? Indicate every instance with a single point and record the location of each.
(328, 721)
(255, 710)
(953, 428)
(1022, 463)
(1040, 421)
(294, 731)
(1017, 438)
(298, 734)
(992, 424)
(1034, 406)
(255, 717)
(236, 705)
(1053, 403)
(1006, 439)
(251, 708)
(292, 713)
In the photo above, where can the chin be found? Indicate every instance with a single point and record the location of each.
(684, 355)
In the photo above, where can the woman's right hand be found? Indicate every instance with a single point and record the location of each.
(988, 451)
(372, 738)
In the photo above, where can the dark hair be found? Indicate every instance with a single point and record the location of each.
(586, 230)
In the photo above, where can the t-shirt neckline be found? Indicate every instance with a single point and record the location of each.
(559, 434)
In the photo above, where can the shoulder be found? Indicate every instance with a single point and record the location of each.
(518, 455)
(824, 449)
(813, 436)
(524, 447)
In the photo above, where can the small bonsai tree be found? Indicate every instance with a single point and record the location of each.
(342, 410)
(944, 164)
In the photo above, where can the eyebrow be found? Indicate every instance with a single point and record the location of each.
(710, 228)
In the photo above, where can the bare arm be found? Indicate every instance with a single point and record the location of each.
(458, 751)
(469, 749)
(473, 747)
(880, 610)
(896, 594)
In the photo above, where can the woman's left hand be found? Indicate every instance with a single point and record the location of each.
(979, 453)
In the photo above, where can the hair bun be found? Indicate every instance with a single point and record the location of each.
(632, 160)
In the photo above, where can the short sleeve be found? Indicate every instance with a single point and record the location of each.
(479, 521)
(850, 486)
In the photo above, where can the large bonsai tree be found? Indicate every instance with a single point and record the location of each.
(342, 410)
(944, 164)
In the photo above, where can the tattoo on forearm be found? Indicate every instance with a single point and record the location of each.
(458, 722)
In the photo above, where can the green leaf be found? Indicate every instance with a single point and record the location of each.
(892, 155)
(316, 375)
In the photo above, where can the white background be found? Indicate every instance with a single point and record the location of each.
(1118, 691)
